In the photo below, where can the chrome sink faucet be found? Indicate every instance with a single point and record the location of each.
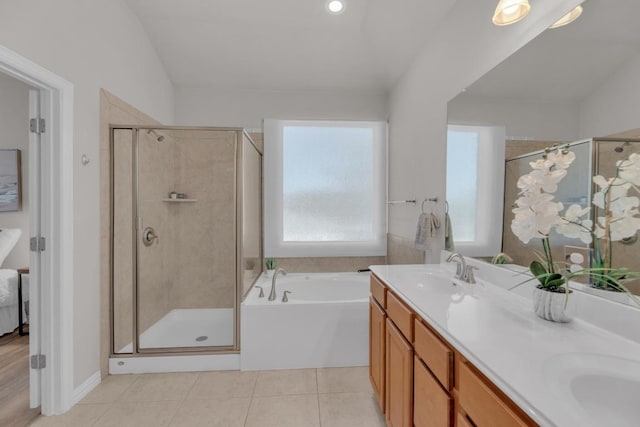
(461, 264)
(464, 272)
(272, 294)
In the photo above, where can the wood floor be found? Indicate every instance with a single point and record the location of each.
(14, 381)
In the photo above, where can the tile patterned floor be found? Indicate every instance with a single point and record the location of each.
(329, 397)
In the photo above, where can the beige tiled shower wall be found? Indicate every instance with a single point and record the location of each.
(155, 261)
(123, 238)
(203, 257)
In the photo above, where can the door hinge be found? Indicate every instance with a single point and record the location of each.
(37, 244)
(37, 125)
(38, 361)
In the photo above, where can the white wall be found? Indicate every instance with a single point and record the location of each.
(466, 46)
(93, 44)
(206, 107)
(522, 120)
(614, 106)
(14, 133)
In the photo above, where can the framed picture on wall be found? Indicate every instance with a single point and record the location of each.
(10, 181)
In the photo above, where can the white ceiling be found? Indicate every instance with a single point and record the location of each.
(564, 65)
(288, 44)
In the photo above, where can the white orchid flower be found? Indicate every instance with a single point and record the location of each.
(541, 164)
(562, 158)
(548, 180)
(623, 228)
(616, 187)
(574, 226)
(629, 169)
(624, 206)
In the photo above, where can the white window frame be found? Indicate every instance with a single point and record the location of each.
(275, 246)
(491, 145)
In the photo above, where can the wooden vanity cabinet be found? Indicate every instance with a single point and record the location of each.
(398, 378)
(420, 380)
(432, 404)
(433, 379)
(483, 403)
(377, 349)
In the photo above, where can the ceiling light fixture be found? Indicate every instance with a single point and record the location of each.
(510, 11)
(568, 18)
(335, 7)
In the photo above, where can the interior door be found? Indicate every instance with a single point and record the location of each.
(35, 175)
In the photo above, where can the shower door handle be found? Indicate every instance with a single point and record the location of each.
(148, 236)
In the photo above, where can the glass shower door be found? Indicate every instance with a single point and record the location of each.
(186, 239)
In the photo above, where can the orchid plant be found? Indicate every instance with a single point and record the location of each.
(537, 213)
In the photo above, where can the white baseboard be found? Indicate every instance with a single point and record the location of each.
(83, 389)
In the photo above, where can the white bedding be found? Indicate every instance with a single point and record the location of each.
(8, 287)
(9, 300)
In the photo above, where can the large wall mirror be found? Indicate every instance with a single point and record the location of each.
(569, 85)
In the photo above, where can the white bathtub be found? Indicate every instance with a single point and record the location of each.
(324, 324)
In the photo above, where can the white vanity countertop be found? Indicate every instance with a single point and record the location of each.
(553, 371)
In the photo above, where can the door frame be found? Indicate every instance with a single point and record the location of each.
(57, 226)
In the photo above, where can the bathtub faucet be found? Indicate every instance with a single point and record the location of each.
(272, 294)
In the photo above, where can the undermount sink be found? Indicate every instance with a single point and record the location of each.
(605, 388)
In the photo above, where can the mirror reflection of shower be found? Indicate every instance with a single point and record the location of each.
(622, 147)
(159, 138)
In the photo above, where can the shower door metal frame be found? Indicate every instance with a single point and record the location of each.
(136, 232)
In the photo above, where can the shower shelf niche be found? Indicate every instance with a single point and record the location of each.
(180, 200)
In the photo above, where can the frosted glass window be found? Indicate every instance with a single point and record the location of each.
(475, 187)
(325, 188)
(462, 183)
(327, 184)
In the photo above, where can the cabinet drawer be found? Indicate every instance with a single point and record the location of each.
(401, 315)
(436, 355)
(379, 291)
(432, 405)
(481, 404)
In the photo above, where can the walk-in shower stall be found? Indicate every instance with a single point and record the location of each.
(186, 238)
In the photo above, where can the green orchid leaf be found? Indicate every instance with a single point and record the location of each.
(537, 269)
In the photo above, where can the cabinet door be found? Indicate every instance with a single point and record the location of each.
(431, 403)
(377, 319)
(398, 378)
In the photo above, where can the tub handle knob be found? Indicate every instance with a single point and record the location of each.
(284, 297)
(261, 291)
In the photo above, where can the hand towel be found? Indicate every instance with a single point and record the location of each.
(448, 234)
(427, 226)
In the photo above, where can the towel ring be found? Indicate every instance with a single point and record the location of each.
(446, 206)
(430, 199)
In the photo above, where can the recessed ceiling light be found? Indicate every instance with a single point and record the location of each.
(568, 18)
(335, 6)
(510, 11)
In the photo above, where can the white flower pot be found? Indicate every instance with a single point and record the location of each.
(551, 305)
(269, 273)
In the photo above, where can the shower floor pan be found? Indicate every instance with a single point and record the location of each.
(193, 327)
